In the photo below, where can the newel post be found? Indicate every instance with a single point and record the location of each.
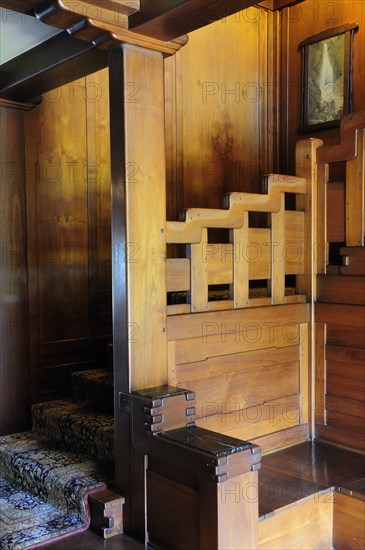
(138, 250)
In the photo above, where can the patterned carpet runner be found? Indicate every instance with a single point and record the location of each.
(47, 474)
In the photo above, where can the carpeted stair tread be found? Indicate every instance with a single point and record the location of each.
(40, 478)
(94, 387)
(52, 474)
(76, 427)
(25, 520)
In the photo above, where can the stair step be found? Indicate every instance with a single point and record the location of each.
(94, 387)
(77, 427)
(278, 490)
(59, 477)
(303, 524)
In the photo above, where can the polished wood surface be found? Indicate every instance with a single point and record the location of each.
(221, 114)
(296, 492)
(335, 212)
(353, 260)
(91, 541)
(341, 290)
(323, 464)
(14, 364)
(244, 386)
(68, 215)
(180, 19)
(304, 525)
(298, 23)
(348, 522)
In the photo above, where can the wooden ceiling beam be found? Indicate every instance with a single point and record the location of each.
(55, 62)
(182, 18)
(274, 5)
(163, 20)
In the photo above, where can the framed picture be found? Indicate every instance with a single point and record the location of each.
(326, 77)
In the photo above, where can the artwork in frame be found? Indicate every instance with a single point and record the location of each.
(326, 77)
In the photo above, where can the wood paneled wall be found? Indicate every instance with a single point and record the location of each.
(221, 110)
(69, 243)
(14, 366)
(298, 23)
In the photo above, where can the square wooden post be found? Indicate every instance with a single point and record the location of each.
(138, 246)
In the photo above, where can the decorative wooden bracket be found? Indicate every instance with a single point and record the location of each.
(106, 511)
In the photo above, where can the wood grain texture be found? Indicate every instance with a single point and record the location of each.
(348, 336)
(303, 526)
(336, 212)
(345, 379)
(348, 522)
(229, 513)
(282, 439)
(353, 260)
(339, 437)
(220, 123)
(69, 249)
(341, 314)
(355, 194)
(341, 290)
(146, 216)
(14, 364)
(192, 326)
(173, 518)
(299, 22)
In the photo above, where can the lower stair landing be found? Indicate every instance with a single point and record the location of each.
(311, 496)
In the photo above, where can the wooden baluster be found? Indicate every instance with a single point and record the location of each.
(355, 192)
(199, 274)
(240, 288)
(277, 282)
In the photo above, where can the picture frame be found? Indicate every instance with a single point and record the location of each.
(326, 94)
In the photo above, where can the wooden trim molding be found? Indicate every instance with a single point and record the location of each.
(22, 106)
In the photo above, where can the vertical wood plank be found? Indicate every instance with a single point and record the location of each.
(320, 373)
(91, 159)
(32, 128)
(229, 513)
(277, 281)
(322, 247)
(304, 374)
(306, 166)
(199, 274)
(99, 177)
(146, 215)
(123, 438)
(139, 262)
(171, 136)
(14, 362)
(355, 193)
(240, 288)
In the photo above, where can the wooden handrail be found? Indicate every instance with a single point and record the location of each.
(347, 148)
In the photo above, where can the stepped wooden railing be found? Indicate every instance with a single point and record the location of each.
(351, 151)
(245, 362)
(340, 308)
(251, 254)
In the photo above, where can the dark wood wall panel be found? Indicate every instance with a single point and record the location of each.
(298, 23)
(344, 374)
(14, 366)
(69, 245)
